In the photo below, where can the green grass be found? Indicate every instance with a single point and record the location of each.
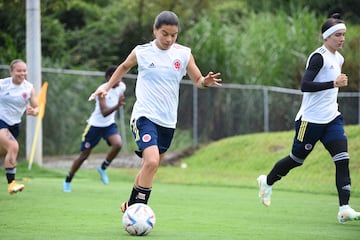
(214, 198)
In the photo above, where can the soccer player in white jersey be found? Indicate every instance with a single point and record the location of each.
(319, 118)
(17, 95)
(101, 124)
(162, 63)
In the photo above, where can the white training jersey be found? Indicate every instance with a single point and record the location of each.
(112, 98)
(322, 107)
(13, 100)
(158, 82)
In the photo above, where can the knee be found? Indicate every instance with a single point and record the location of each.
(116, 146)
(151, 164)
(13, 148)
(338, 148)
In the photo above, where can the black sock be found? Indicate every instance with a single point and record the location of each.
(280, 169)
(69, 177)
(343, 181)
(139, 195)
(105, 164)
(10, 174)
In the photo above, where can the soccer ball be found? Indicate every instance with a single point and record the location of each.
(139, 219)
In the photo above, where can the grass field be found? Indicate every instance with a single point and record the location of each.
(213, 198)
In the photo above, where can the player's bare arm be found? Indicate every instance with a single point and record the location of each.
(121, 70)
(105, 110)
(33, 108)
(199, 80)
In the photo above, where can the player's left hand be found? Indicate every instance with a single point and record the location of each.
(212, 79)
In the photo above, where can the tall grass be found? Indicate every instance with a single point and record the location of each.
(265, 48)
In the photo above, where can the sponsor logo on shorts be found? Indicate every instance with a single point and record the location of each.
(308, 146)
(87, 145)
(146, 138)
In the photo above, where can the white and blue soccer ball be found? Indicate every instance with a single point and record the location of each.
(138, 219)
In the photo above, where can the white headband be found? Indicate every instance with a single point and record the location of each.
(336, 27)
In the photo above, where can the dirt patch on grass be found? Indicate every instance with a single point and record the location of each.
(123, 160)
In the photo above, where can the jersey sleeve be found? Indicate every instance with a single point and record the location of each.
(316, 62)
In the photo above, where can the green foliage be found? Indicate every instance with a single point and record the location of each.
(53, 39)
(206, 37)
(12, 30)
(10, 51)
(250, 42)
(269, 49)
(349, 9)
(352, 57)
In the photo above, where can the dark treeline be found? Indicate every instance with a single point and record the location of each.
(246, 36)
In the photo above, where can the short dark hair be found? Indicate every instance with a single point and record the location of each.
(110, 71)
(166, 18)
(333, 20)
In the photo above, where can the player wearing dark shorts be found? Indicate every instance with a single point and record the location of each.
(17, 96)
(101, 124)
(162, 64)
(319, 119)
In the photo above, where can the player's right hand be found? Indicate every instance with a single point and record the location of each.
(99, 92)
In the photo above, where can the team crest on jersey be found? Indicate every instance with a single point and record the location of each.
(146, 138)
(308, 146)
(24, 95)
(177, 64)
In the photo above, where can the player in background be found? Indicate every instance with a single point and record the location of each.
(162, 63)
(101, 124)
(17, 95)
(319, 118)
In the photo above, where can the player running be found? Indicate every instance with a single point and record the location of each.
(101, 124)
(17, 95)
(319, 119)
(162, 64)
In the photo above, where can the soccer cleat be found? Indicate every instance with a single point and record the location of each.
(15, 187)
(346, 213)
(66, 186)
(124, 206)
(265, 190)
(103, 176)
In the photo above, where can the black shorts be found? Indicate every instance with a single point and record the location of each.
(308, 134)
(14, 129)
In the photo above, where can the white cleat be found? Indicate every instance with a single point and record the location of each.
(346, 213)
(265, 190)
